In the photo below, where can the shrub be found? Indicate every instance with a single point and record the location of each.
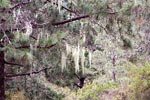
(94, 91)
(140, 82)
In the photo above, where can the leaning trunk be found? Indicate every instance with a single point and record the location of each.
(2, 75)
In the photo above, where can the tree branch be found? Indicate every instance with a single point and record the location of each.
(27, 47)
(77, 76)
(35, 25)
(33, 37)
(70, 20)
(20, 4)
(95, 22)
(10, 63)
(27, 74)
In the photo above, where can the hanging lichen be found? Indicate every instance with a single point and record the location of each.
(28, 29)
(63, 61)
(75, 54)
(31, 48)
(77, 59)
(83, 59)
(59, 4)
(68, 48)
(27, 60)
(56, 1)
(37, 42)
(84, 38)
(52, 1)
(90, 58)
(47, 36)
(78, 55)
(73, 51)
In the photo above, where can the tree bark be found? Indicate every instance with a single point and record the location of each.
(2, 75)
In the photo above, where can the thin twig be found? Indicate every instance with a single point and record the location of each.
(95, 22)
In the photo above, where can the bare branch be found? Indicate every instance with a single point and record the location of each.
(33, 37)
(10, 63)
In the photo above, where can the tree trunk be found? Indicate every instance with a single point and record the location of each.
(2, 77)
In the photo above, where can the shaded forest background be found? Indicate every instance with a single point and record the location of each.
(74, 50)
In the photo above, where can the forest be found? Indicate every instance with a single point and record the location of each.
(74, 49)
